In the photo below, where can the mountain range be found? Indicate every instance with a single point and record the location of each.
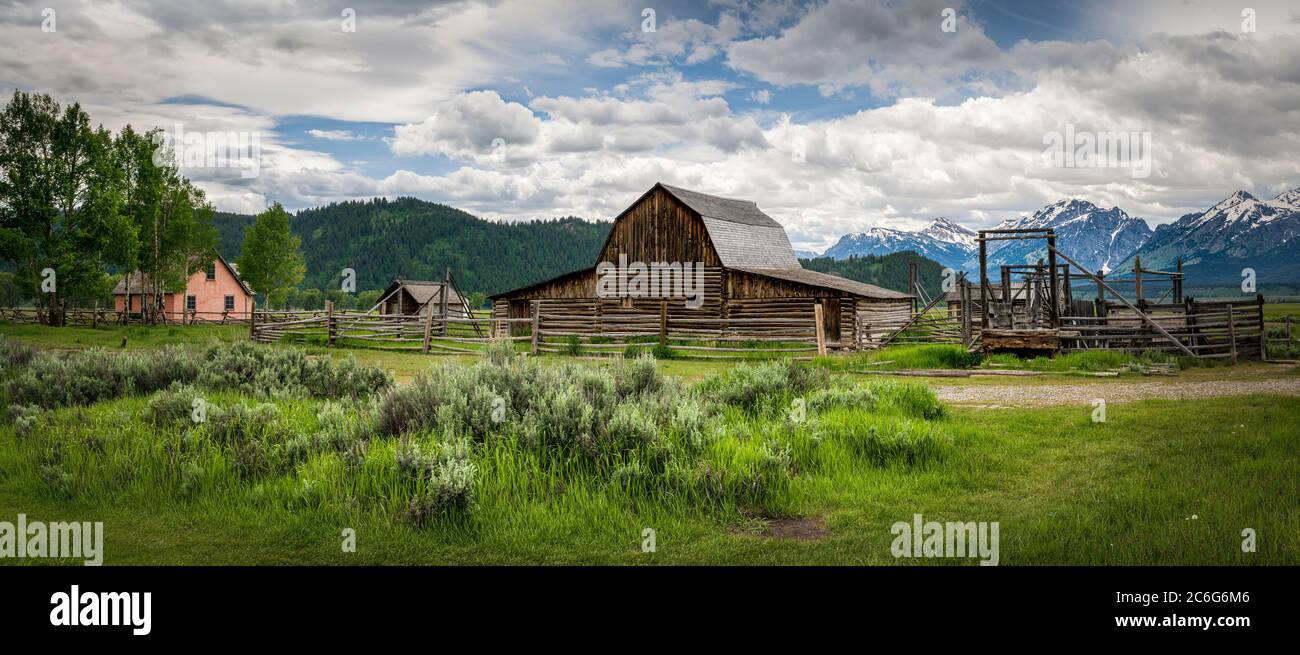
(1240, 232)
(382, 239)
(1215, 245)
(948, 243)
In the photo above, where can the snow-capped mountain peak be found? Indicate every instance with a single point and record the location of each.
(947, 231)
(1095, 237)
(1290, 198)
(1239, 232)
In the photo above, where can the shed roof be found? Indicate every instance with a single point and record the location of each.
(422, 291)
(814, 278)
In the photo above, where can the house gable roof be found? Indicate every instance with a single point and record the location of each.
(136, 280)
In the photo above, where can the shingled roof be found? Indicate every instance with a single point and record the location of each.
(422, 291)
(816, 279)
(133, 283)
(741, 233)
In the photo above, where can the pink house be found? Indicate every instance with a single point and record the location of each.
(214, 294)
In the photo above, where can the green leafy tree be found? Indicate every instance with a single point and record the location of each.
(341, 299)
(368, 299)
(171, 216)
(310, 299)
(477, 300)
(10, 294)
(60, 201)
(270, 259)
(278, 298)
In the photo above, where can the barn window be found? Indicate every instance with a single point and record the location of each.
(211, 272)
(230, 302)
(189, 303)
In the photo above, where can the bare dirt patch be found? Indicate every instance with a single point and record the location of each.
(1112, 392)
(806, 528)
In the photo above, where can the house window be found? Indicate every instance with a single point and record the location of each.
(230, 302)
(189, 303)
(212, 270)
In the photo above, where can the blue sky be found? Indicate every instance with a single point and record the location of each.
(835, 116)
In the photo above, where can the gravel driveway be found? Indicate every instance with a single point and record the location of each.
(1111, 392)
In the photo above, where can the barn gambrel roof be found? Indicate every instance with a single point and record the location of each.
(741, 233)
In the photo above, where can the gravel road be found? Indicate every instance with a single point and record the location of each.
(1112, 392)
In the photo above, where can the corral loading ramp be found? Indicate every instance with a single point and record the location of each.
(1033, 307)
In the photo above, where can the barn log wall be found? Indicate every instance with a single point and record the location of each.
(879, 318)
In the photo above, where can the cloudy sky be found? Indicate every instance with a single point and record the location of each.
(834, 116)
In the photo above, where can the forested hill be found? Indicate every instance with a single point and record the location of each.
(382, 239)
(888, 271)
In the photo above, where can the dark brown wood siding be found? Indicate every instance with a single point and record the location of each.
(659, 228)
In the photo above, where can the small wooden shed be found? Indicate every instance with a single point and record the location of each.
(419, 297)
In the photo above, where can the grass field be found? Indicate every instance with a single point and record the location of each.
(727, 464)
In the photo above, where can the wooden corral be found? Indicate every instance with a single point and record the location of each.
(1120, 318)
(752, 287)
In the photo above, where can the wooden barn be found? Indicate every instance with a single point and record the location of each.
(749, 272)
(418, 297)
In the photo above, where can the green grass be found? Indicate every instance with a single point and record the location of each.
(1064, 489)
(894, 358)
(137, 336)
(1275, 312)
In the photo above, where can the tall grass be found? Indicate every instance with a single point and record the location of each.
(53, 379)
(935, 356)
(460, 441)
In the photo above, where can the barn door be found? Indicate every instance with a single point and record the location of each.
(831, 318)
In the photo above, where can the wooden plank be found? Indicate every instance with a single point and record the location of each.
(1232, 336)
(537, 325)
(821, 330)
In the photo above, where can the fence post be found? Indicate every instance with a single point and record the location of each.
(1288, 331)
(252, 322)
(329, 323)
(1232, 335)
(663, 323)
(1263, 329)
(1137, 278)
(537, 323)
(446, 290)
(428, 327)
(821, 332)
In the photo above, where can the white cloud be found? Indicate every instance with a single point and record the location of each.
(688, 42)
(891, 48)
(335, 135)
